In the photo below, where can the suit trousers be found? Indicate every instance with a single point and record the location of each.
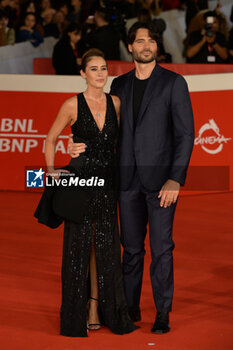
(137, 207)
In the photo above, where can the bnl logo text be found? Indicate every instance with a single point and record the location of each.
(35, 178)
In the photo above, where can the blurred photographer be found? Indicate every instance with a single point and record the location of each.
(207, 45)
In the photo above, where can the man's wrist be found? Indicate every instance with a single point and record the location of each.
(177, 182)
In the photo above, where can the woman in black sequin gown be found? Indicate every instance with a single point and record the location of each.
(92, 287)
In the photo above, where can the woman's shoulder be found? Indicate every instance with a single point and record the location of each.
(70, 104)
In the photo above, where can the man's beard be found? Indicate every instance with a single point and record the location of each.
(138, 58)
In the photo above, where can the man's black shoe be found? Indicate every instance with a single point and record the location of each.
(135, 315)
(161, 324)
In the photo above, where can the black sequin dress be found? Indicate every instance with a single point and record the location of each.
(101, 215)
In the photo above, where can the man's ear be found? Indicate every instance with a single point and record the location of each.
(130, 48)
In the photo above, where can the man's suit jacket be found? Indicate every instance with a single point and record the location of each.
(161, 144)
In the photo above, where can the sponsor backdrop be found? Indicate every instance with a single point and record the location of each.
(26, 116)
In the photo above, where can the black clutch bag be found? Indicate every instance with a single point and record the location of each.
(60, 202)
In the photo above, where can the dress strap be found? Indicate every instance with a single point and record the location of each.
(79, 108)
(79, 104)
(79, 99)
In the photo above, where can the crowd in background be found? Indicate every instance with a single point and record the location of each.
(79, 25)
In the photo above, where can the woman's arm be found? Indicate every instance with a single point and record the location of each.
(194, 49)
(221, 51)
(66, 115)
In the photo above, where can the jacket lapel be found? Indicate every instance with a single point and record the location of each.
(151, 88)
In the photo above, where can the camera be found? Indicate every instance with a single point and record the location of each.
(208, 26)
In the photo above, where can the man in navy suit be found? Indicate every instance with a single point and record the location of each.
(155, 145)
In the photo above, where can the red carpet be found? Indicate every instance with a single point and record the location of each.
(202, 315)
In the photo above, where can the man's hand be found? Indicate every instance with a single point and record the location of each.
(75, 148)
(169, 193)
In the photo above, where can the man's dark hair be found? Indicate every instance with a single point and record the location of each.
(210, 14)
(141, 25)
(104, 14)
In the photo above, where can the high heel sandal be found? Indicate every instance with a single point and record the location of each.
(93, 324)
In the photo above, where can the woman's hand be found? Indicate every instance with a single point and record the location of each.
(55, 173)
(75, 148)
